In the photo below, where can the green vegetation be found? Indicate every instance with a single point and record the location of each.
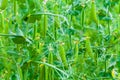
(59, 39)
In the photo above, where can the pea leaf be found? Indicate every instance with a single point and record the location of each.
(31, 18)
(101, 14)
(18, 37)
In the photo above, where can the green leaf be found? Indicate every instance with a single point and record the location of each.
(19, 39)
(31, 18)
(101, 14)
(31, 4)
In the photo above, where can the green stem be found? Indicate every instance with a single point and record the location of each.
(15, 7)
(108, 22)
(82, 21)
(70, 35)
(70, 41)
(118, 29)
(2, 22)
(35, 30)
(105, 66)
(56, 22)
(109, 27)
(119, 7)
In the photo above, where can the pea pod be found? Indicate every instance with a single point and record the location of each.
(19, 70)
(89, 52)
(3, 4)
(93, 16)
(76, 52)
(45, 25)
(41, 45)
(50, 57)
(41, 27)
(83, 18)
(45, 21)
(46, 72)
(56, 22)
(63, 55)
(76, 59)
(42, 70)
(50, 61)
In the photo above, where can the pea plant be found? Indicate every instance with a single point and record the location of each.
(59, 39)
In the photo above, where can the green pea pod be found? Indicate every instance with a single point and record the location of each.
(45, 25)
(3, 4)
(19, 70)
(50, 61)
(46, 72)
(93, 15)
(56, 21)
(63, 55)
(42, 72)
(76, 59)
(41, 26)
(50, 58)
(56, 24)
(76, 52)
(41, 46)
(89, 52)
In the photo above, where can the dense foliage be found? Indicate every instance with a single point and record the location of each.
(59, 40)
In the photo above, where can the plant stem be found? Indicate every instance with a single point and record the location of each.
(82, 21)
(108, 22)
(35, 30)
(2, 22)
(56, 22)
(45, 22)
(15, 7)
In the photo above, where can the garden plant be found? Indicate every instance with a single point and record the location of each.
(59, 39)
